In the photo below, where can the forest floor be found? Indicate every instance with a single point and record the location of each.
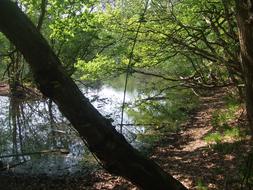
(197, 163)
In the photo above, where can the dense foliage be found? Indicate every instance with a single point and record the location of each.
(186, 43)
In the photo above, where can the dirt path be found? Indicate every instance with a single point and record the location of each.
(189, 158)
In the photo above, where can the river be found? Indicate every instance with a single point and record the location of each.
(37, 139)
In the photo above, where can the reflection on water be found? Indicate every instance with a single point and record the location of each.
(36, 138)
(37, 127)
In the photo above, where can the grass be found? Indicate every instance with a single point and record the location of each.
(224, 122)
(201, 185)
(218, 137)
(221, 118)
(213, 137)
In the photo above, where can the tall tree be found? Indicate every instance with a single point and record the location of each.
(114, 152)
(245, 27)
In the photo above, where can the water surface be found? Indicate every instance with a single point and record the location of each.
(37, 139)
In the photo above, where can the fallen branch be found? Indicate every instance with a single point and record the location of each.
(62, 151)
(12, 166)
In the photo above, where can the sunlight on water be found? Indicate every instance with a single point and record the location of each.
(34, 132)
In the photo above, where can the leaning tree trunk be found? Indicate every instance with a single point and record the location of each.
(114, 152)
(245, 28)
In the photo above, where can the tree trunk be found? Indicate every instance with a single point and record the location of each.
(245, 28)
(111, 148)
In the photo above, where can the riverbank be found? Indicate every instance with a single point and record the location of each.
(97, 180)
(208, 152)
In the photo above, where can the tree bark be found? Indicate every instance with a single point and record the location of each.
(111, 148)
(245, 28)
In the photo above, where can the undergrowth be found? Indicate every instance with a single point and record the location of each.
(228, 136)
